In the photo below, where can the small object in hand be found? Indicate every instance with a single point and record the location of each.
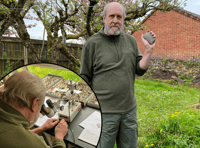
(148, 36)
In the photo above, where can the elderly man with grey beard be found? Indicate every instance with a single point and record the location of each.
(109, 61)
(20, 104)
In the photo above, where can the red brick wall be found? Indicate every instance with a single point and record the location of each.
(178, 36)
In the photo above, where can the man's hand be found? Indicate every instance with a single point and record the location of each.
(50, 123)
(61, 129)
(148, 47)
(144, 62)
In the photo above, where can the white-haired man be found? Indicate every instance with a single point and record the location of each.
(110, 59)
(20, 104)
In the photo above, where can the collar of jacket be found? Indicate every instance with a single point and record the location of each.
(11, 115)
(112, 38)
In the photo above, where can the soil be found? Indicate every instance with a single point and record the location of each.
(162, 74)
(197, 81)
(165, 74)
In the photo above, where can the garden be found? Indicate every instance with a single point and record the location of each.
(167, 112)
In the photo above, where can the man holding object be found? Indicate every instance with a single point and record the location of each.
(20, 104)
(109, 61)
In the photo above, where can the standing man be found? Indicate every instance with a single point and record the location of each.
(20, 104)
(110, 59)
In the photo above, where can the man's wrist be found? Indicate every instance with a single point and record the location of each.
(38, 130)
(42, 128)
(149, 50)
(59, 137)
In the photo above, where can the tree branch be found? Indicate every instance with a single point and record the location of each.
(24, 35)
(67, 54)
(29, 5)
(5, 24)
(76, 36)
(90, 11)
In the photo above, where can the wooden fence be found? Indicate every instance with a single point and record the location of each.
(15, 51)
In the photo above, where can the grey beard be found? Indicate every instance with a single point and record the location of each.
(111, 32)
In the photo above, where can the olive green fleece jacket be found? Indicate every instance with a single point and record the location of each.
(13, 133)
(109, 64)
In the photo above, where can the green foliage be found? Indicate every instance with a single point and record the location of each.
(186, 78)
(190, 64)
(148, 73)
(172, 82)
(176, 61)
(179, 129)
(4, 9)
(165, 60)
(9, 64)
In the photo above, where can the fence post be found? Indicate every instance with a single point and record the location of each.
(25, 56)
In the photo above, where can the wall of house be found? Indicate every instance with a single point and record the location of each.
(178, 36)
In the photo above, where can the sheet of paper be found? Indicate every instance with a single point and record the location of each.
(42, 119)
(93, 123)
(89, 137)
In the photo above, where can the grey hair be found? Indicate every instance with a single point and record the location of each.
(123, 9)
(21, 88)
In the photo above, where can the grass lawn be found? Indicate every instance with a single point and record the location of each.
(66, 74)
(156, 101)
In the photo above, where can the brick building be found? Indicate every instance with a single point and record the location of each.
(177, 31)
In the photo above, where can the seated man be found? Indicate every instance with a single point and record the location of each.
(20, 104)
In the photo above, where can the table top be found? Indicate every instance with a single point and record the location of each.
(76, 128)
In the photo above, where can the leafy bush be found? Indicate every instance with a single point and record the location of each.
(180, 129)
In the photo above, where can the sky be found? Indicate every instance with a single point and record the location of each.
(193, 6)
(37, 32)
